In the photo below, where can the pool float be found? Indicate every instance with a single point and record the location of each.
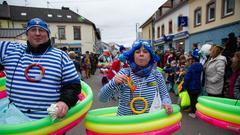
(104, 121)
(3, 92)
(220, 112)
(47, 125)
(103, 65)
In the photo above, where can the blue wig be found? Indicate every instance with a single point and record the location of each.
(129, 55)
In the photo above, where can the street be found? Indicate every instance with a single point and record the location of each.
(190, 126)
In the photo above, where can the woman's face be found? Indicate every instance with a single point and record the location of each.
(235, 63)
(142, 57)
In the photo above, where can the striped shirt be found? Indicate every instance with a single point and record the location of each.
(33, 98)
(145, 89)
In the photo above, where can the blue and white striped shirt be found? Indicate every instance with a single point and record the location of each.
(145, 89)
(35, 96)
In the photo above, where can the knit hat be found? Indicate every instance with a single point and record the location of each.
(129, 55)
(121, 48)
(37, 22)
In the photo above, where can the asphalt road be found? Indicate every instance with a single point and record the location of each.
(190, 126)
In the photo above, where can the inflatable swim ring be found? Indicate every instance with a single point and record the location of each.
(220, 112)
(47, 126)
(3, 92)
(104, 121)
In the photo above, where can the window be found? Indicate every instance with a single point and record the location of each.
(59, 16)
(211, 11)
(158, 32)
(69, 16)
(170, 27)
(50, 15)
(163, 32)
(24, 25)
(197, 17)
(61, 33)
(149, 33)
(77, 32)
(228, 7)
(23, 14)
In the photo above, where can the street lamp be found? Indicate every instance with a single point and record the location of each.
(137, 24)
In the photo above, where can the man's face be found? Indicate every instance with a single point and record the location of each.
(37, 36)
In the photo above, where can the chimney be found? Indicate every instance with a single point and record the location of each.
(65, 8)
(5, 3)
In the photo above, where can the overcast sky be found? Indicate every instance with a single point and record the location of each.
(116, 19)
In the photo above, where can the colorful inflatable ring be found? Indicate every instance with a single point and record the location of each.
(218, 114)
(102, 64)
(47, 126)
(104, 121)
(2, 82)
(222, 109)
(132, 105)
(165, 131)
(219, 123)
(3, 92)
(222, 104)
(42, 72)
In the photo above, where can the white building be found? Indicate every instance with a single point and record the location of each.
(67, 27)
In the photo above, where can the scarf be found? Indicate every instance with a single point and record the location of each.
(40, 49)
(141, 71)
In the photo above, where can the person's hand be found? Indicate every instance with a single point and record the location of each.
(168, 108)
(120, 79)
(62, 109)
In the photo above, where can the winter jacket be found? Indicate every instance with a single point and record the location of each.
(192, 79)
(214, 75)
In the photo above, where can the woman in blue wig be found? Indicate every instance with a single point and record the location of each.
(141, 87)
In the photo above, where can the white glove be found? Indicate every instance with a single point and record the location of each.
(52, 111)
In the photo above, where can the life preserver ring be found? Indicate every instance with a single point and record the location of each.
(39, 77)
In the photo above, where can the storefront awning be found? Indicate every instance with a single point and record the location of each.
(181, 35)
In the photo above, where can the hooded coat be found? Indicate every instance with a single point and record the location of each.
(192, 80)
(214, 75)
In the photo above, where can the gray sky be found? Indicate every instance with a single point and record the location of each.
(116, 19)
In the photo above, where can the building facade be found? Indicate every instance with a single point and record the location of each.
(171, 27)
(212, 20)
(184, 22)
(67, 28)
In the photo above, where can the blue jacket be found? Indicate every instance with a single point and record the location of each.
(192, 80)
